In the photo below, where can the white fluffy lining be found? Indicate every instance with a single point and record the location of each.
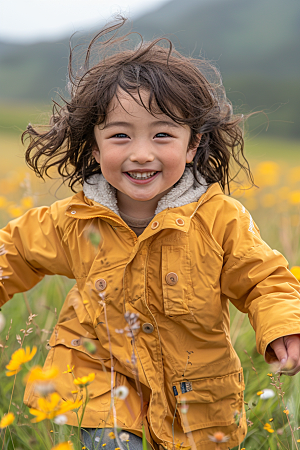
(187, 190)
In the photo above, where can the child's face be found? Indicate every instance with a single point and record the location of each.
(140, 155)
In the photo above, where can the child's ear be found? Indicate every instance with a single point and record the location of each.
(190, 154)
(96, 153)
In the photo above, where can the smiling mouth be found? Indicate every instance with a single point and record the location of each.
(141, 176)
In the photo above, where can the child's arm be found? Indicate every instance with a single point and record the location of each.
(257, 281)
(31, 247)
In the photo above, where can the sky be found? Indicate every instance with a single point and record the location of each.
(26, 21)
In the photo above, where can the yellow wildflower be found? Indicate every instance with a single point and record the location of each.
(286, 411)
(15, 211)
(269, 374)
(18, 358)
(103, 445)
(64, 446)
(37, 373)
(294, 175)
(296, 272)
(7, 420)
(294, 197)
(27, 202)
(48, 409)
(68, 406)
(3, 202)
(271, 420)
(84, 381)
(112, 435)
(69, 369)
(260, 392)
(267, 173)
(268, 427)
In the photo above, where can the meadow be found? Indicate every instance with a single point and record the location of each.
(272, 402)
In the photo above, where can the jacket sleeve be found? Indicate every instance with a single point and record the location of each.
(257, 281)
(30, 247)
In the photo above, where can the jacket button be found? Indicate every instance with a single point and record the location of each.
(75, 342)
(155, 225)
(100, 284)
(180, 222)
(171, 278)
(148, 328)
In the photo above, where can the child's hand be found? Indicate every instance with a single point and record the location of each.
(287, 351)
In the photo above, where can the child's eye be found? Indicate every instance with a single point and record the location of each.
(159, 135)
(120, 135)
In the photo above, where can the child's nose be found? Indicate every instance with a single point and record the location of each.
(141, 154)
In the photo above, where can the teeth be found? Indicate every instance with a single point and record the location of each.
(141, 176)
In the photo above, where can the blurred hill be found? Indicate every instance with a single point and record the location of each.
(255, 44)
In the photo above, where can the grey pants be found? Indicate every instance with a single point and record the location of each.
(92, 439)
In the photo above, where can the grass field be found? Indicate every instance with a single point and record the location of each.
(274, 206)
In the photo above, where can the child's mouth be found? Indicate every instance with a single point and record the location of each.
(141, 175)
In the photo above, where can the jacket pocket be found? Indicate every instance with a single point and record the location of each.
(209, 402)
(176, 280)
(67, 349)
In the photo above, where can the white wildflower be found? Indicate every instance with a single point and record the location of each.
(44, 389)
(267, 393)
(61, 419)
(218, 437)
(184, 408)
(124, 437)
(119, 330)
(121, 392)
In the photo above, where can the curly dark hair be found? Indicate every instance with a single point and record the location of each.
(178, 85)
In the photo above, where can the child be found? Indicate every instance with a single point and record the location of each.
(152, 140)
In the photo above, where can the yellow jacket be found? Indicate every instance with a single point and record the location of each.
(177, 276)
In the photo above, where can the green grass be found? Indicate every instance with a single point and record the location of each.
(14, 117)
(273, 149)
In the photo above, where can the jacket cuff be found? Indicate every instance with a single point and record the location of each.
(264, 347)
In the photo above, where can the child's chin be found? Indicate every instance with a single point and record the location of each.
(143, 199)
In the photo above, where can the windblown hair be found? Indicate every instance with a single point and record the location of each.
(178, 86)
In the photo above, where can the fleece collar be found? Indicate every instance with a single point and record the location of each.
(187, 190)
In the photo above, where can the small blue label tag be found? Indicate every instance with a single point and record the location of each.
(175, 390)
(186, 386)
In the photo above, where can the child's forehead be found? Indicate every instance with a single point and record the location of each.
(134, 104)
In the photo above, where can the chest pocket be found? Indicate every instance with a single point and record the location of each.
(176, 280)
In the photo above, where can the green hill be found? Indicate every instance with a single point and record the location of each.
(255, 43)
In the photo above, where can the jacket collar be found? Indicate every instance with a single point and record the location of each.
(82, 207)
(187, 190)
